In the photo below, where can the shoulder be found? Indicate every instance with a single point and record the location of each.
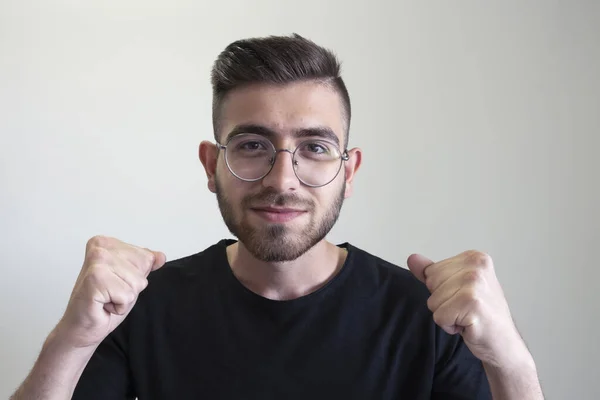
(188, 270)
(389, 279)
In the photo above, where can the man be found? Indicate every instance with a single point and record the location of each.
(281, 313)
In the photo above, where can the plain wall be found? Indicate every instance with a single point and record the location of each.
(479, 123)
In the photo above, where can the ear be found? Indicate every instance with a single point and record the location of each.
(351, 167)
(208, 154)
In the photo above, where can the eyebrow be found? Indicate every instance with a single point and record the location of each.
(318, 131)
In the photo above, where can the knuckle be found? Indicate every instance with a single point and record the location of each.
(98, 254)
(430, 283)
(148, 259)
(430, 303)
(479, 259)
(123, 296)
(471, 297)
(439, 318)
(97, 241)
(118, 299)
(151, 256)
(139, 285)
(119, 309)
(473, 276)
(130, 296)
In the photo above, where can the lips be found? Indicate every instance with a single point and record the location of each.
(278, 214)
(277, 209)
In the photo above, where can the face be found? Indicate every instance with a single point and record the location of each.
(278, 218)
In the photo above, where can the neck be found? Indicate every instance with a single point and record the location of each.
(286, 280)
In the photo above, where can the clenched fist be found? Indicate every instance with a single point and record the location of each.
(113, 275)
(467, 298)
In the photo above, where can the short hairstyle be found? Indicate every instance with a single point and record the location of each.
(275, 60)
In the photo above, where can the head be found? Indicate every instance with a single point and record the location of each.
(287, 90)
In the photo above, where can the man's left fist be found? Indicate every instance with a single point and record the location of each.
(467, 298)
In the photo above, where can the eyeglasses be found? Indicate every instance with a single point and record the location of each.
(250, 157)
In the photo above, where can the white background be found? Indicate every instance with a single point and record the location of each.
(479, 123)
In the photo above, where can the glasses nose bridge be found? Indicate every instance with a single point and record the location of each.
(277, 151)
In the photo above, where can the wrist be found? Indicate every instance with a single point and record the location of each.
(56, 371)
(61, 352)
(514, 361)
(509, 351)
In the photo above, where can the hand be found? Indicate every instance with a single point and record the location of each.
(467, 298)
(113, 275)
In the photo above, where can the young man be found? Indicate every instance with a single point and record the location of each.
(281, 313)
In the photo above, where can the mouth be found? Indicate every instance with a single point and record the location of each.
(278, 214)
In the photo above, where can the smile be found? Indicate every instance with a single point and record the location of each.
(276, 214)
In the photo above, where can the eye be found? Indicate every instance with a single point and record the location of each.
(252, 145)
(316, 148)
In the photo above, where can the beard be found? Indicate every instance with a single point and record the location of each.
(276, 242)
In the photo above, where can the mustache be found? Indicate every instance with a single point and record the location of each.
(271, 198)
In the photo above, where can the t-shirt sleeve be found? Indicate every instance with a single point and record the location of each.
(459, 375)
(107, 374)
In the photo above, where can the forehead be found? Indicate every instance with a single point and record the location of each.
(284, 109)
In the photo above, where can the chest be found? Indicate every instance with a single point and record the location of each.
(233, 351)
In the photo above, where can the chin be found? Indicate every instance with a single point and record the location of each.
(277, 242)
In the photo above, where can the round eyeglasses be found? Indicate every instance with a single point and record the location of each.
(250, 157)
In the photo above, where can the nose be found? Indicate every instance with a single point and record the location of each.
(282, 176)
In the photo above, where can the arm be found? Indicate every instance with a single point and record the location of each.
(517, 382)
(467, 299)
(460, 375)
(85, 346)
(55, 373)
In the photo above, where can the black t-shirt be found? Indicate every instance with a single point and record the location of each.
(197, 333)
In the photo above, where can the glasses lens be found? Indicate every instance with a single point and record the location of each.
(249, 156)
(317, 162)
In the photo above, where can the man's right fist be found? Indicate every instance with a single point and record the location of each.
(113, 275)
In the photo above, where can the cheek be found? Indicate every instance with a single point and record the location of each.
(224, 177)
(232, 189)
(324, 199)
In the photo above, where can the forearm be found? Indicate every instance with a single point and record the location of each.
(516, 382)
(55, 373)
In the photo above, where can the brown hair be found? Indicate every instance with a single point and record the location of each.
(275, 60)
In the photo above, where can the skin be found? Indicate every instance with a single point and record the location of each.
(284, 110)
(111, 278)
(466, 297)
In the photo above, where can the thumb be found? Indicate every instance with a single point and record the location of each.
(417, 264)
(159, 259)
